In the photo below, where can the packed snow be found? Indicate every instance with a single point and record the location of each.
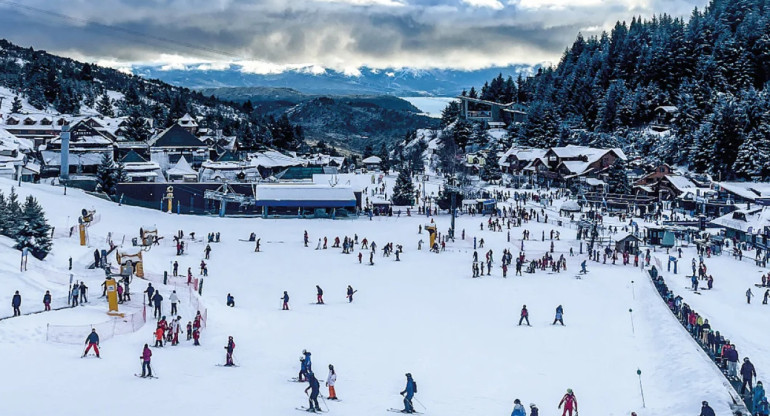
(458, 336)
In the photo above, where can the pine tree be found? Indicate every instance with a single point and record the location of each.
(136, 127)
(3, 214)
(748, 163)
(462, 133)
(34, 231)
(12, 214)
(450, 113)
(16, 104)
(403, 190)
(368, 151)
(104, 106)
(105, 175)
(617, 178)
(385, 157)
(491, 170)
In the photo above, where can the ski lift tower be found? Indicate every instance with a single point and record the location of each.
(225, 193)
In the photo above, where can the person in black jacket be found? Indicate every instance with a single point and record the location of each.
(706, 410)
(319, 295)
(748, 373)
(314, 389)
(157, 299)
(47, 300)
(16, 303)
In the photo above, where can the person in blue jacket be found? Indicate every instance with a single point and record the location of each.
(518, 409)
(559, 315)
(583, 267)
(759, 394)
(314, 388)
(409, 391)
(308, 364)
(762, 408)
(93, 341)
(16, 303)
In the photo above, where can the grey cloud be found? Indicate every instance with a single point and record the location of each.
(420, 33)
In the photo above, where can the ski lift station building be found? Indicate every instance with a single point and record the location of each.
(305, 200)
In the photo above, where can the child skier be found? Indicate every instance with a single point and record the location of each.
(230, 347)
(319, 295)
(524, 315)
(559, 315)
(330, 380)
(350, 293)
(285, 301)
(93, 341)
(570, 403)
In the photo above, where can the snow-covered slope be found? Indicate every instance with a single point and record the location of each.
(424, 314)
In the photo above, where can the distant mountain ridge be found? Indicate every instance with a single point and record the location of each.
(402, 82)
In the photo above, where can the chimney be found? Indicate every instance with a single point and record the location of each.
(64, 172)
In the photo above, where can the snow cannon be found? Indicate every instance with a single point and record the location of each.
(130, 261)
(149, 235)
(111, 286)
(431, 229)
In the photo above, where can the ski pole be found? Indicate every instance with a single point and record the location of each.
(423, 406)
(324, 400)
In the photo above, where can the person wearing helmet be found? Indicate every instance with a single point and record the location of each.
(230, 347)
(748, 373)
(409, 391)
(524, 315)
(330, 380)
(533, 411)
(308, 364)
(518, 409)
(314, 388)
(302, 369)
(706, 410)
(759, 393)
(93, 341)
(570, 403)
(763, 408)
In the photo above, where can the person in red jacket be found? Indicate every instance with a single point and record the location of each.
(524, 315)
(570, 403)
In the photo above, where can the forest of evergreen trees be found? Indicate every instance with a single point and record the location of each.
(713, 66)
(49, 81)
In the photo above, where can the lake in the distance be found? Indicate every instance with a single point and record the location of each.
(430, 106)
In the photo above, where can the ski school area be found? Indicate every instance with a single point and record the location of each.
(396, 308)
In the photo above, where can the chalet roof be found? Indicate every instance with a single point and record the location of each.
(227, 156)
(680, 182)
(371, 160)
(187, 120)
(747, 221)
(182, 168)
(132, 157)
(480, 101)
(747, 190)
(273, 159)
(667, 109)
(176, 136)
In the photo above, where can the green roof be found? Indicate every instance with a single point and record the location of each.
(132, 157)
(300, 172)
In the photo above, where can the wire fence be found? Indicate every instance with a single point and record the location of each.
(76, 334)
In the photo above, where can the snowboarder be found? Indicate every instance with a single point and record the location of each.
(230, 347)
(319, 295)
(524, 315)
(748, 373)
(93, 341)
(47, 301)
(16, 304)
(570, 402)
(409, 391)
(285, 301)
(559, 315)
(518, 409)
(230, 300)
(749, 295)
(145, 357)
(350, 293)
(313, 387)
(330, 380)
(174, 299)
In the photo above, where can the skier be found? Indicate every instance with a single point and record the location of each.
(47, 301)
(302, 369)
(159, 330)
(533, 411)
(93, 341)
(583, 267)
(409, 390)
(748, 373)
(559, 315)
(518, 409)
(174, 299)
(207, 251)
(74, 294)
(256, 248)
(176, 268)
(230, 347)
(706, 410)
(83, 289)
(569, 401)
(749, 295)
(230, 300)
(150, 291)
(285, 301)
(350, 293)
(330, 380)
(313, 387)
(308, 363)
(524, 315)
(145, 357)
(319, 295)
(16, 304)
(157, 299)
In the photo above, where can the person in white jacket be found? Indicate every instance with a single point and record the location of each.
(330, 380)
(174, 299)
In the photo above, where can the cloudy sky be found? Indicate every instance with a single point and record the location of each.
(270, 35)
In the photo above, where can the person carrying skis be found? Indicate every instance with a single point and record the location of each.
(409, 391)
(524, 315)
(570, 402)
(230, 347)
(350, 293)
(330, 380)
(518, 409)
(314, 389)
(559, 315)
(748, 373)
(285, 301)
(47, 301)
(16, 304)
(145, 357)
(93, 341)
(319, 295)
